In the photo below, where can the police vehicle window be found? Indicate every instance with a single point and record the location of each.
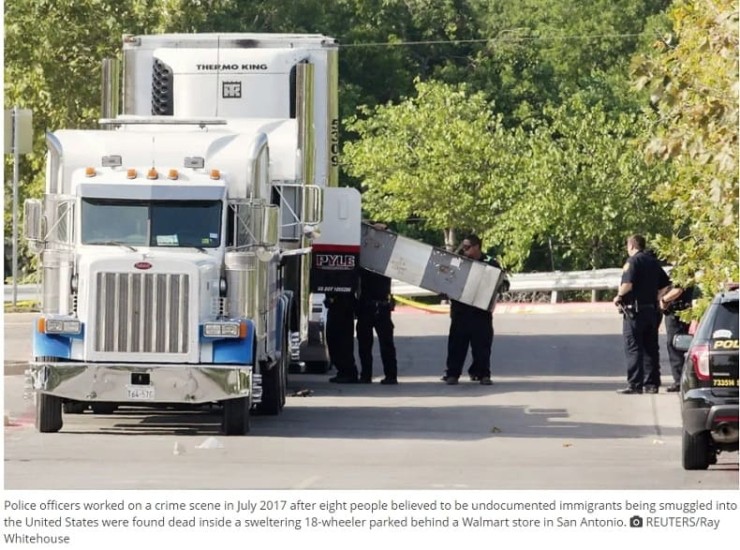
(726, 319)
(184, 224)
(106, 221)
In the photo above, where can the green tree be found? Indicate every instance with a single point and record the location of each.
(539, 52)
(429, 157)
(581, 187)
(692, 77)
(53, 53)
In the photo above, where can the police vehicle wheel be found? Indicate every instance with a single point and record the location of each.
(48, 413)
(696, 451)
(74, 407)
(235, 419)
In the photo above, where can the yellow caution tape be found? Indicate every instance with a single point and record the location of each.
(430, 308)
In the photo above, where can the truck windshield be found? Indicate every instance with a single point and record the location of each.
(151, 223)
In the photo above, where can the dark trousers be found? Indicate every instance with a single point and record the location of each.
(472, 329)
(340, 324)
(674, 326)
(376, 317)
(641, 348)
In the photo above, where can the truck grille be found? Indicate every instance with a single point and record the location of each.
(142, 312)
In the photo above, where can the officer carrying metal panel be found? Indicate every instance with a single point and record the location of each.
(462, 279)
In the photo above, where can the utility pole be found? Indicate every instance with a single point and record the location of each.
(22, 143)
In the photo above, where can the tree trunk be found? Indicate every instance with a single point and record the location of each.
(450, 239)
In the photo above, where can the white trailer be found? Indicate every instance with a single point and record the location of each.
(176, 244)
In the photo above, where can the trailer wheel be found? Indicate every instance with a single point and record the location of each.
(48, 413)
(236, 416)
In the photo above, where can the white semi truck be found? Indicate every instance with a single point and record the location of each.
(184, 247)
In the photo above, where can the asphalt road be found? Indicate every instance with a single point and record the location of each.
(552, 420)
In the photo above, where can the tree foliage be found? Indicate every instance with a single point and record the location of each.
(693, 81)
(510, 118)
(429, 157)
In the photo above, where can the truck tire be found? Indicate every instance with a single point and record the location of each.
(272, 391)
(74, 407)
(696, 451)
(236, 416)
(48, 413)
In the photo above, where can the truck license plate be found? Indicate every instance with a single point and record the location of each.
(140, 393)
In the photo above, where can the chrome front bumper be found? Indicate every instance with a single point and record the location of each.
(163, 383)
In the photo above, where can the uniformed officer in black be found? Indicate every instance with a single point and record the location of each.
(643, 282)
(374, 306)
(675, 300)
(340, 322)
(470, 327)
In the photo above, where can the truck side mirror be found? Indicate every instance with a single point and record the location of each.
(33, 224)
(271, 227)
(313, 207)
(682, 342)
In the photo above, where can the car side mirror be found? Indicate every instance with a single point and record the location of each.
(682, 342)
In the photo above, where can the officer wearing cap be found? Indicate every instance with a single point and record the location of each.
(643, 282)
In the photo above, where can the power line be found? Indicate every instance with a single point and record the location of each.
(508, 36)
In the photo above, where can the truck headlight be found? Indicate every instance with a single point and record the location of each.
(230, 329)
(60, 326)
(222, 330)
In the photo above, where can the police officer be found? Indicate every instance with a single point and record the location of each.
(374, 306)
(643, 282)
(470, 327)
(340, 322)
(675, 300)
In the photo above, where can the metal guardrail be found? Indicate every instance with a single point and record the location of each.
(553, 282)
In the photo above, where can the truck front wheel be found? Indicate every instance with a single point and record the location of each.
(236, 416)
(48, 413)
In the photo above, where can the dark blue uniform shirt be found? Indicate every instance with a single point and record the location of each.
(646, 276)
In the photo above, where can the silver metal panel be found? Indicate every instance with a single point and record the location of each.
(142, 313)
(460, 278)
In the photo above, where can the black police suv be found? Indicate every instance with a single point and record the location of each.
(709, 383)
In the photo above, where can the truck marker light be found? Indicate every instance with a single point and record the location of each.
(89, 172)
(242, 329)
(215, 174)
(152, 174)
(131, 173)
(172, 174)
(41, 325)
